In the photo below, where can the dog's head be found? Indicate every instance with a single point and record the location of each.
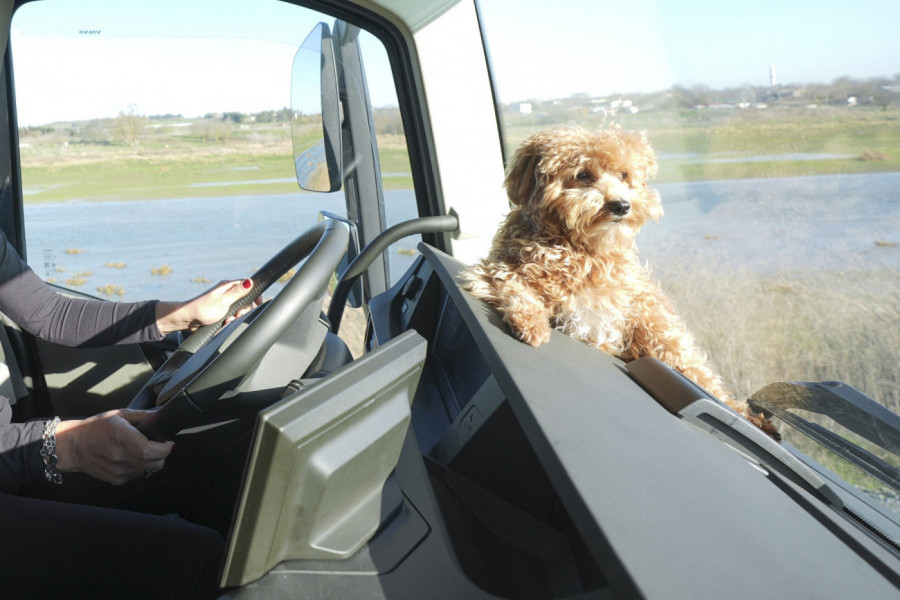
(590, 188)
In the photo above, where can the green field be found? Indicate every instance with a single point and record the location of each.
(779, 326)
(170, 162)
(861, 139)
(177, 158)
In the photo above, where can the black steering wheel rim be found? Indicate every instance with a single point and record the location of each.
(183, 402)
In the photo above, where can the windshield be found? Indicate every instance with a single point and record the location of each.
(854, 436)
(777, 130)
(155, 141)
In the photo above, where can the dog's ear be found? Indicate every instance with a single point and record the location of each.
(652, 204)
(522, 175)
(643, 155)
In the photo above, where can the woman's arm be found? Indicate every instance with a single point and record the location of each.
(207, 308)
(42, 311)
(108, 447)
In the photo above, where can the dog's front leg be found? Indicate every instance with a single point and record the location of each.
(519, 305)
(528, 317)
(523, 310)
(661, 333)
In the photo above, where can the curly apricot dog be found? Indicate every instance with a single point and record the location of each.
(565, 257)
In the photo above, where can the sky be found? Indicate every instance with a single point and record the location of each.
(75, 67)
(599, 46)
(540, 49)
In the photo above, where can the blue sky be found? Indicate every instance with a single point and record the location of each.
(549, 49)
(539, 49)
(56, 65)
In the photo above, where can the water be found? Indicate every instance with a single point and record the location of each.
(201, 240)
(826, 222)
(745, 157)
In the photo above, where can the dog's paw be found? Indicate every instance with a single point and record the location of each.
(766, 425)
(533, 332)
(756, 418)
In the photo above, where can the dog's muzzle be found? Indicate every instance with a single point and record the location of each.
(618, 208)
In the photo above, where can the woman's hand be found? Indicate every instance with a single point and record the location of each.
(108, 447)
(206, 309)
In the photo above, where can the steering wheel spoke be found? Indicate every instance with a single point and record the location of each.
(193, 381)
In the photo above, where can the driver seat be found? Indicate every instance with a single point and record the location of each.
(12, 379)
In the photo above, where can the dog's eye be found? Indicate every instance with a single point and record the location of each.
(624, 176)
(583, 175)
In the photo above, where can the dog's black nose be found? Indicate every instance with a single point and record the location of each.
(618, 207)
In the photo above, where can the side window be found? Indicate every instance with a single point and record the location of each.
(155, 141)
(778, 144)
(399, 195)
(393, 155)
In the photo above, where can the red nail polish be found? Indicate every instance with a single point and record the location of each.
(247, 284)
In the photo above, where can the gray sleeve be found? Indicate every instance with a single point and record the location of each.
(20, 446)
(40, 310)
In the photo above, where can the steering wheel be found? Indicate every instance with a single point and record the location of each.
(205, 366)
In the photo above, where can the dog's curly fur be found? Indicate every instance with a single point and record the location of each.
(565, 256)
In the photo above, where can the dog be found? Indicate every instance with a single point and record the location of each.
(565, 256)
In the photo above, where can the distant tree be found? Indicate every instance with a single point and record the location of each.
(234, 117)
(223, 131)
(284, 115)
(97, 131)
(388, 121)
(683, 97)
(842, 88)
(266, 116)
(35, 130)
(879, 93)
(129, 126)
(213, 130)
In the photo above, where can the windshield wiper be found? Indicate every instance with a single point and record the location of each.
(846, 406)
(691, 402)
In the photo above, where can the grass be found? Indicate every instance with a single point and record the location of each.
(758, 328)
(61, 166)
(809, 326)
(786, 326)
(162, 271)
(155, 177)
(850, 134)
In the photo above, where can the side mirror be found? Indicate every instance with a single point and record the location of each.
(316, 113)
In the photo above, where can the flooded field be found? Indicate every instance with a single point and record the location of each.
(827, 222)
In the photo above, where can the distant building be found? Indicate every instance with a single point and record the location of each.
(525, 108)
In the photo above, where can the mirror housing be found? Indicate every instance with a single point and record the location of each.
(355, 296)
(316, 113)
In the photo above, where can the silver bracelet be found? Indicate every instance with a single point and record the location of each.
(48, 452)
